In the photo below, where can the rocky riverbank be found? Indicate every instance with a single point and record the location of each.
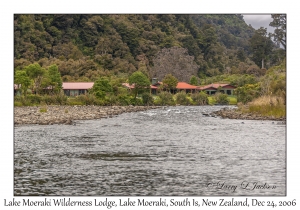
(236, 114)
(48, 115)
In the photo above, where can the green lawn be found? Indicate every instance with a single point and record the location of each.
(232, 100)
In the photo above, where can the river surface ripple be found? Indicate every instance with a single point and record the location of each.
(170, 151)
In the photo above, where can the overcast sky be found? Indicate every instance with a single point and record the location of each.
(258, 21)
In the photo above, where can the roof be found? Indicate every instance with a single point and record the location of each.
(77, 85)
(215, 86)
(184, 85)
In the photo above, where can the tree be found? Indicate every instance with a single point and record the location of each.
(55, 78)
(194, 80)
(36, 73)
(22, 79)
(170, 82)
(261, 46)
(140, 82)
(175, 61)
(279, 21)
(101, 87)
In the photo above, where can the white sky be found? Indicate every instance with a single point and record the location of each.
(259, 20)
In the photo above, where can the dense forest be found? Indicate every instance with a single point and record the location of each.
(87, 46)
(210, 48)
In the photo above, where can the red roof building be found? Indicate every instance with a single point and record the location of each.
(213, 88)
(76, 88)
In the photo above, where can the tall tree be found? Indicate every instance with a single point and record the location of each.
(261, 46)
(36, 73)
(101, 87)
(279, 21)
(22, 80)
(175, 61)
(140, 82)
(55, 78)
(170, 82)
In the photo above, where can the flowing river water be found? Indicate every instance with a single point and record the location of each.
(169, 151)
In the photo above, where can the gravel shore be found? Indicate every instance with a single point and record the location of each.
(235, 114)
(48, 115)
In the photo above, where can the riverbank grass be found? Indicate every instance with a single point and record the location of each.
(266, 106)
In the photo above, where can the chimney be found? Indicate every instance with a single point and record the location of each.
(154, 81)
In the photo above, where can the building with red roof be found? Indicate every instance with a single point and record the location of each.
(213, 88)
(183, 86)
(76, 88)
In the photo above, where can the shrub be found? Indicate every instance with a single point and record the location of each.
(123, 100)
(47, 99)
(34, 99)
(221, 98)
(166, 98)
(247, 92)
(88, 99)
(147, 99)
(200, 98)
(181, 98)
(43, 109)
(60, 98)
(136, 101)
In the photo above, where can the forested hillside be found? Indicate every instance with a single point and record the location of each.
(87, 46)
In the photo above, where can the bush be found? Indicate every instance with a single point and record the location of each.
(200, 98)
(47, 99)
(147, 99)
(166, 98)
(34, 99)
(247, 92)
(181, 98)
(88, 99)
(60, 98)
(123, 100)
(22, 101)
(221, 98)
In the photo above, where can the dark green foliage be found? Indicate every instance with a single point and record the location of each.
(114, 43)
(165, 98)
(247, 92)
(123, 100)
(221, 98)
(181, 98)
(279, 21)
(140, 82)
(22, 80)
(101, 88)
(200, 98)
(55, 80)
(147, 99)
(194, 81)
(34, 99)
(261, 46)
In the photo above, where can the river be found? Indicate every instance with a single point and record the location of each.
(169, 151)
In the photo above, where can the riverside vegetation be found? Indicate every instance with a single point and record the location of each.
(112, 49)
